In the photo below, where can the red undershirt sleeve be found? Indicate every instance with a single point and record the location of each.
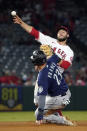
(34, 33)
(65, 64)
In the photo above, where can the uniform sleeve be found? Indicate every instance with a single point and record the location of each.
(42, 84)
(41, 105)
(68, 61)
(65, 64)
(54, 58)
(40, 37)
(35, 33)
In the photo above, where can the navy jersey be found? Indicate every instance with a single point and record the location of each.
(54, 58)
(51, 81)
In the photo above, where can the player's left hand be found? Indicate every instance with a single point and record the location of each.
(39, 122)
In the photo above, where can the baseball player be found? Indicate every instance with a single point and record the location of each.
(51, 57)
(53, 93)
(59, 45)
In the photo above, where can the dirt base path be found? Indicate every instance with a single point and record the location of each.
(31, 126)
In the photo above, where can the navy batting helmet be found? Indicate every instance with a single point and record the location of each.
(38, 58)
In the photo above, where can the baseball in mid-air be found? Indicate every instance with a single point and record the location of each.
(13, 13)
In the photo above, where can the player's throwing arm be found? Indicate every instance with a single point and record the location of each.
(18, 20)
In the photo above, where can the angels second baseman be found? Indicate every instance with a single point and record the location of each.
(59, 45)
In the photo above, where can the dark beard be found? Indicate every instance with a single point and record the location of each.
(62, 39)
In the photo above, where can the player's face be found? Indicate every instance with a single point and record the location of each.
(62, 35)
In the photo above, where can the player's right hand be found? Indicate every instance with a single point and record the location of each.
(17, 20)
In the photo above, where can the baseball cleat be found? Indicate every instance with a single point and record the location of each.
(68, 122)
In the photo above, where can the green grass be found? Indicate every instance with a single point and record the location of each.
(76, 115)
(17, 116)
(29, 116)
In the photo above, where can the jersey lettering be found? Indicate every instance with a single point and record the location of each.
(59, 51)
(51, 69)
(50, 74)
(54, 49)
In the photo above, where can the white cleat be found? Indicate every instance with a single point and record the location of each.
(68, 122)
(58, 120)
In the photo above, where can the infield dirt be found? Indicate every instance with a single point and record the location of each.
(31, 126)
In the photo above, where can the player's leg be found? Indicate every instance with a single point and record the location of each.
(59, 111)
(52, 104)
(57, 119)
(57, 102)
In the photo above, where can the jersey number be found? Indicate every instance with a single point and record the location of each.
(57, 76)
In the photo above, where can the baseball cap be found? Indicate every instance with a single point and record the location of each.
(64, 28)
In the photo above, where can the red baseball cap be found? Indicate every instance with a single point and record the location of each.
(64, 28)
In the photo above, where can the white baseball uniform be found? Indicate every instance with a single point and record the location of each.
(63, 51)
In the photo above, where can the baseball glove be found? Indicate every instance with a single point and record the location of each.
(47, 50)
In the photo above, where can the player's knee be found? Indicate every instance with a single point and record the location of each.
(65, 103)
